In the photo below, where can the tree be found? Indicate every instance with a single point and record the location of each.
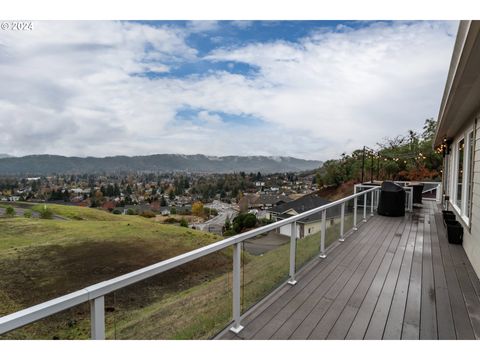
(228, 224)
(46, 213)
(171, 195)
(10, 211)
(197, 208)
(244, 221)
(183, 222)
(163, 202)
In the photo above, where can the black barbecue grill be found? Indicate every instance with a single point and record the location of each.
(392, 200)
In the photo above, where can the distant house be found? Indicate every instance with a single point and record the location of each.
(164, 210)
(261, 201)
(309, 225)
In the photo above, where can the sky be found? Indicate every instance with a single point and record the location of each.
(307, 89)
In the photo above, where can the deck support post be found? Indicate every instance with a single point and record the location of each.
(365, 207)
(372, 198)
(97, 318)
(355, 214)
(237, 252)
(438, 193)
(293, 249)
(342, 222)
(322, 238)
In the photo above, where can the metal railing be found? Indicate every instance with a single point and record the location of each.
(95, 294)
(429, 187)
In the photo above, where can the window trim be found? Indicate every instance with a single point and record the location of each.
(466, 198)
(455, 173)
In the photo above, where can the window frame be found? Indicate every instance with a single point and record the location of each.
(464, 207)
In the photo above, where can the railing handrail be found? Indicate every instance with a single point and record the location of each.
(51, 307)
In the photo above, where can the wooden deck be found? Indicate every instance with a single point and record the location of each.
(395, 278)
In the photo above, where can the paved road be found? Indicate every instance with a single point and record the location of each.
(263, 244)
(219, 220)
(19, 212)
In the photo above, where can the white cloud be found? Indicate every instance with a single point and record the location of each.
(70, 88)
(198, 26)
(242, 24)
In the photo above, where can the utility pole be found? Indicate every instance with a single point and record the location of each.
(371, 168)
(378, 167)
(363, 163)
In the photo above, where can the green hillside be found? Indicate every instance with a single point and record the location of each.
(43, 259)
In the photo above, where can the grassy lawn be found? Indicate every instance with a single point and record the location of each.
(42, 259)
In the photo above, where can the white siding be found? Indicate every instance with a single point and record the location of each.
(471, 241)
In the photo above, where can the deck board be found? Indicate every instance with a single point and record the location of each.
(394, 278)
(428, 320)
(308, 283)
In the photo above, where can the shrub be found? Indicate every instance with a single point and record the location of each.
(244, 221)
(209, 211)
(229, 232)
(148, 214)
(131, 212)
(9, 211)
(170, 220)
(116, 212)
(173, 210)
(27, 214)
(265, 221)
(46, 213)
(183, 222)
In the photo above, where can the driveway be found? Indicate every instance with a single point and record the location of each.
(263, 244)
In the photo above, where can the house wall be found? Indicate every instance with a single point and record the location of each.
(315, 227)
(286, 230)
(471, 235)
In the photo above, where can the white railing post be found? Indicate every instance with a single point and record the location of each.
(342, 222)
(355, 213)
(372, 201)
(411, 199)
(237, 252)
(293, 248)
(439, 193)
(377, 198)
(97, 318)
(365, 207)
(322, 238)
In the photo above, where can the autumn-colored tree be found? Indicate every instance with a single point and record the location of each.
(197, 208)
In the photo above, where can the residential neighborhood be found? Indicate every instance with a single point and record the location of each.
(222, 196)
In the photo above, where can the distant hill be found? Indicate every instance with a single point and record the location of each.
(54, 164)
(3, 156)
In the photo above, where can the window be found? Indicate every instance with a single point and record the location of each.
(462, 175)
(459, 173)
(469, 163)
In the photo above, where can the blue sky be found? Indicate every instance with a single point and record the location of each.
(309, 89)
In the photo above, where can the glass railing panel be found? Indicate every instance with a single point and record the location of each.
(192, 301)
(265, 265)
(73, 323)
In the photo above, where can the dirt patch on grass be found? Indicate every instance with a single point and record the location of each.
(36, 274)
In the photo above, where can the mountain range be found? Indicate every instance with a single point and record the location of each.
(56, 164)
